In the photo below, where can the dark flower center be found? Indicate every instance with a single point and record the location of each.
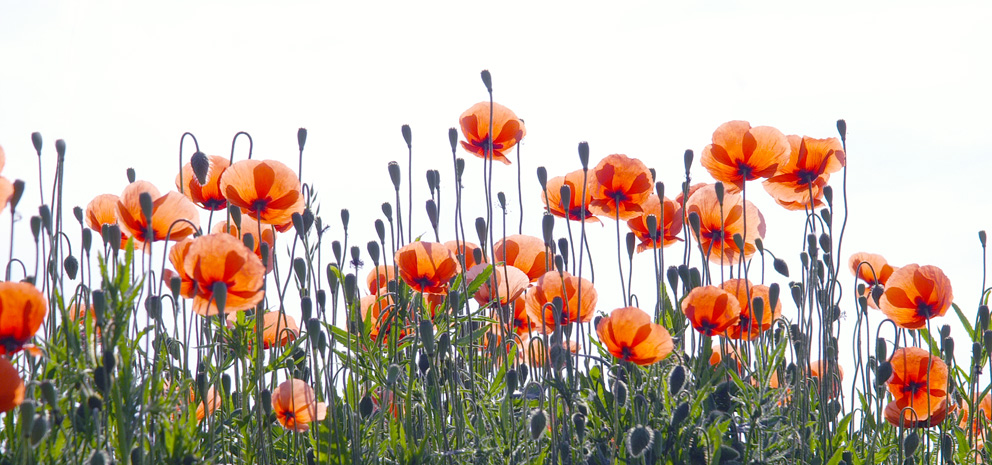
(924, 309)
(807, 176)
(914, 386)
(627, 354)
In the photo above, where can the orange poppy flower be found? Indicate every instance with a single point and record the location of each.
(167, 210)
(177, 256)
(806, 172)
(619, 187)
(742, 153)
(524, 252)
(630, 335)
(819, 368)
(379, 277)
(567, 287)
(510, 283)
(278, 331)
(427, 266)
(209, 195)
(296, 406)
(103, 210)
(207, 405)
(509, 130)
(720, 351)
(22, 310)
(711, 310)
(223, 258)
(983, 417)
(465, 248)
(914, 294)
(6, 192)
(747, 327)
(572, 208)
(894, 415)
(918, 381)
(3, 158)
(11, 386)
(267, 190)
(380, 308)
(873, 269)
(716, 233)
(250, 226)
(668, 221)
(530, 350)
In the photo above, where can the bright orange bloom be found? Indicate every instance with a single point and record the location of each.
(573, 208)
(209, 195)
(223, 258)
(6, 192)
(427, 266)
(619, 187)
(524, 252)
(747, 327)
(630, 335)
(3, 158)
(667, 229)
(530, 350)
(806, 172)
(721, 350)
(103, 210)
(11, 385)
(267, 190)
(741, 153)
(914, 294)
(468, 249)
(296, 406)
(509, 130)
(22, 310)
(207, 405)
(716, 232)
(278, 331)
(251, 227)
(177, 256)
(873, 269)
(510, 283)
(167, 211)
(819, 368)
(894, 415)
(983, 417)
(711, 310)
(379, 277)
(919, 381)
(567, 287)
(376, 311)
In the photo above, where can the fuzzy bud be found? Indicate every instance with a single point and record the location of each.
(676, 380)
(538, 423)
(639, 439)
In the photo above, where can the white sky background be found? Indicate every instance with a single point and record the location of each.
(121, 81)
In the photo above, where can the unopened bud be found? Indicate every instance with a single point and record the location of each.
(538, 423)
(639, 439)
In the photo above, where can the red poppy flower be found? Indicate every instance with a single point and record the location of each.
(375, 312)
(468, 250)
(914, 294)
(806, 172)
(918, 381)
(427, 266)
(22, 310)
(873, 269)
(530, 350)
(167, 211)
(379, 277)
(278, 331)
(209, 195)
(177, 256)
(223, 258)
(11, 385)
(630, 335)
(716, 232)
(983, 417)
(741, 153)
(510, 283)
(509, 130)
(252, 227)
(818, 369)
(573, 208)
(524, 252)
(296, 406)
(103, 210)
(207, 405)
(567, 287)
(894, 415)
(267, 190)
(668, 221)
(722, 350)
(619, 187)
(711, 310)
(747, 327)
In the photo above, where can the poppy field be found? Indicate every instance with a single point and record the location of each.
(218, 320)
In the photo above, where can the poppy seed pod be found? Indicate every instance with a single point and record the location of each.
(579, 424)
(911, 443)
(394, 174)
(883, 373)
(487, 80)
(407, 135)
(392, 374)
(842, 129)
(680, 414)
(542, 177)
(453, 139)
(982, 237)
(584, 155)
(538, 423)
(373, 249)
(676, 380)
(37, 142)
(673, 276)
(687, 160)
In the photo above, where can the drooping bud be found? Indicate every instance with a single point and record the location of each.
(365, 406)
(201, 167)
(487, 80)
(639, 439)
(883, 373)
(407, 135)
(676, 380)
(538, 423)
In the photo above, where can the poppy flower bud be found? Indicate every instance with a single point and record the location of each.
(828, 195)
(842, 129)
(946, 446)
(373, 249)
(881, 349)
(394, 174)
(676, 380)
(101, 379)
(487, 79)
(579, 423)
(739, 241)
(49, 394)
(36, 141)
(559, 263)
(235, 213)
(99, 306)
(109, 360)
(538, 423)
(220, 295)
(687, 159)
(201, 167)
(71, 266)
(584, 155)
(39, 428)
(976, 353)
(694, 222)
(673, 276)
(987, 341)
(298, 225)
(695, 280)
(423, 363)
(365, 406)
(680, 414)
(501, 200)
(392, 374)
(131, 175)
(639, 439)
(427, 335)
(15, 198)
(265, 398)
(825, 214)
(35, 227)
(87, 239)
(524, 371)
(948, 349)
(480, 229)
(453, 139)
(45, 214)
(432, 214)
(983, 317)
(651, 221)
(26, 415)
(563, 248)
(723, 396)
(225, 383)
(94, 403)
(911, 442)
(630, 244)
(542, 177)
(459, 169)
(883, 373)
(684, 273)
(145, 200)
(719, 189)
(301, 138)
(945, 331)
(432, 180)
(138, 454)
(620, 393)
(797, 293)
(982, 237)
(345, 218)
(548, 228)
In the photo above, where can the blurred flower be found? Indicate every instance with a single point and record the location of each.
(914, 294)
(619, 186)
(168, 211)
(894, 415)
(567, 287)
(873, 269)
(207, 405)
(278, 331)
(377, 310)
(524, 252)
(509, 130)
(6, 192)
(742, 153)
(510, 283)
(711, 310)
(251, 227)
(209, 195)
(819, 369)
(11, 386)
(379, 277)
(465, 248)
(177, 256)
(747, 327)
(223, 258)
(716, 232)
(22, 310)
(296, 406)
(668, 221)
(918, 381)
(983, 417)
(630, 335)
(573, 207)
(530, 350)
(806, 172)
(103, 210)
(267, 190)
(427, 266)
